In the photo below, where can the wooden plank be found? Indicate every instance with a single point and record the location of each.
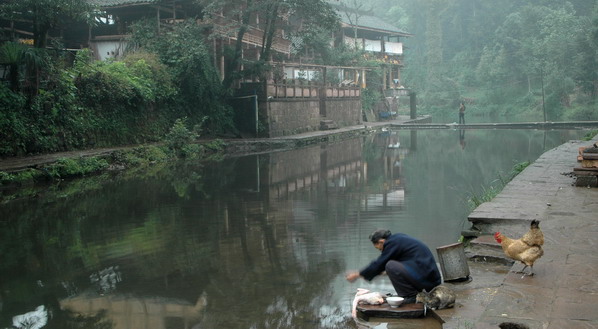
(407, 311)
(589, 163)
(585, 171)
(590, 156)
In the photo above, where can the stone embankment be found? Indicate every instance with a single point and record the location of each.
(563, 293)
(233, 147)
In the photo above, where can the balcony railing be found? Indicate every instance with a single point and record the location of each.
(253, 36)
(310, 90)
(375, 46)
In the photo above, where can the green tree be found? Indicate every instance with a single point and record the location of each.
(18, 58)
(45, 15)
(183, 50)
(586, 61)
(274, 15)
(533, 48)
(12, 55)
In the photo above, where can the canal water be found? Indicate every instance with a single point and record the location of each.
(261, 241)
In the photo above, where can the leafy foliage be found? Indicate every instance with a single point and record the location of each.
(67, 167)
(500, 55)
(90, 104)
(181, 140)
(305, 22)
(189, 61)
(369, 97)
(128, 99)
(46, 14)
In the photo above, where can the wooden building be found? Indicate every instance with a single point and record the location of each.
(297, 96)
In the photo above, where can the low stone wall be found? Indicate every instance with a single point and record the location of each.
(290, 109)
(344, 111)
(289, 116)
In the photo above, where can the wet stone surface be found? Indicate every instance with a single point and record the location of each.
(563, 293)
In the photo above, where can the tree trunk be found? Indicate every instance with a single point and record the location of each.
(14, 77)
(233, 66)
(269, 33)
(434, 40)
(40, 31)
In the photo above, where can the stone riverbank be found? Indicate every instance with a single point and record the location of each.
(564, 291)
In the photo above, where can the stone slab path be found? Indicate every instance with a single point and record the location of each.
(564, 292)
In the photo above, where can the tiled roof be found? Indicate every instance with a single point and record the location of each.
(372, 22)
(112, 3)
(364, 20)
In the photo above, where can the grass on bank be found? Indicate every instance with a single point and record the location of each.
(488, 193)
(590, 135)
(181, 143)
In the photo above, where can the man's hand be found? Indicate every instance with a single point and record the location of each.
(352, 276)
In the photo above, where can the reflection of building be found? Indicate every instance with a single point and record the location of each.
(130, 312)
(334, 166)
(385, 167)
(379, 201)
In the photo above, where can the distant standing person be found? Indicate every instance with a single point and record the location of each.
(462, 113)
(407, 261)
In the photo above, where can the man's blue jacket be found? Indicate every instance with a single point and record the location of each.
(415, 256)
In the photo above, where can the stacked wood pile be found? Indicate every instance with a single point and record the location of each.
(588, 158)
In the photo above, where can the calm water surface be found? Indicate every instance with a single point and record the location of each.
(252, 242)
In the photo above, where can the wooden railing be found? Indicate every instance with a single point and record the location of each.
(227, 28)
(310, 90)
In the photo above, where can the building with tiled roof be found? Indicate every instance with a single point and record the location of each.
(368, 22)
(116, 3)
(295, 75)
(380, 40)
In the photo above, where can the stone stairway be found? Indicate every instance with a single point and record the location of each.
(485, 249)
(328, 125)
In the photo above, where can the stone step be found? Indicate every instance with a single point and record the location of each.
(328, 125)
(485, 249)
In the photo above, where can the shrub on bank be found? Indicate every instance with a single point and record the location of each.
(109, 103)
(88, 105)
(180, 143)
(67, 167)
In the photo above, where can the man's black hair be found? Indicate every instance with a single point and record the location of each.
(379, 234)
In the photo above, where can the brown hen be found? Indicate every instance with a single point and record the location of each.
(527, 249)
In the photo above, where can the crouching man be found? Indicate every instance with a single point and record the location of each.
(408, 263)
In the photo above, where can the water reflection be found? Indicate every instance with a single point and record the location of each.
(462, 138)
(252, 242)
